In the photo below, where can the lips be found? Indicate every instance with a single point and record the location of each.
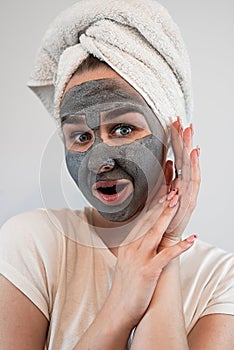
(112, 192)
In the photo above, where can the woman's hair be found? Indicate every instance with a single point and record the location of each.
(90, 63)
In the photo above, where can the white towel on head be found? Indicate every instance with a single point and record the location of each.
(137, 38)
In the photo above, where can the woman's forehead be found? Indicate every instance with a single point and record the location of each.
(123, 114)
(93, 97)
(92, 74)
(99, 94)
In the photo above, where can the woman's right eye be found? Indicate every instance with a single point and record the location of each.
(82, 138)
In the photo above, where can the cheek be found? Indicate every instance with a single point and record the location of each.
(149, 157)
(147, 153)
(142, 160)
(74, 161)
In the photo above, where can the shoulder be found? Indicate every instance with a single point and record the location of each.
(34, 225)
(33, 249)
(40, 222)
(204, 256)
(207, 264)
(41, 231)
(208, 279)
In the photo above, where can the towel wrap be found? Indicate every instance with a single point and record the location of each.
(137, 38)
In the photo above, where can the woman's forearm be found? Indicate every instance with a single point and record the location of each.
(163, 326)
(109, 331)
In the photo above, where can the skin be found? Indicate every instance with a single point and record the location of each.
(148, 301)
(107, 120)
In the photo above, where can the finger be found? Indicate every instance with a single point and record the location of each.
(177, 142)
(182, 182)
(189, 203)
(154, 235)
(182, 158)
(144, 224)
(172, 252)
(195, 176)
(187, 141)
(187, 138)
(189, 199)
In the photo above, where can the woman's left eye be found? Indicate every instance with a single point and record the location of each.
(122, 130)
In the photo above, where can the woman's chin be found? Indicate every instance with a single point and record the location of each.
(122, 217)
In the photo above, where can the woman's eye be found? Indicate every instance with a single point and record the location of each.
(82, 138)
(122, 130)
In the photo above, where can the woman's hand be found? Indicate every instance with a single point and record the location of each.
(139, 265)
(186, 182)
(165, 313)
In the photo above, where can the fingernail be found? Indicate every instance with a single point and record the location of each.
(162, 200)
(192, 130)
(172, 194)
(174, 201)
(179, 120)
(198, 151)
(191, 239)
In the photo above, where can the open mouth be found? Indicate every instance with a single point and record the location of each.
(112, 192)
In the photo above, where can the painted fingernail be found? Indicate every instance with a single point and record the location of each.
(179, 120)
(198, 151)
(172, 194)
(174, 201)
(162, 200)
(191, 239)
(192, 130)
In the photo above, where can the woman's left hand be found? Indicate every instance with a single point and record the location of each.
(186, 181)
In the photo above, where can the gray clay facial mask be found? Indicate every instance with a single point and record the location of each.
(114, 146)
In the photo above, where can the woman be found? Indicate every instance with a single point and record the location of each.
(86, 280)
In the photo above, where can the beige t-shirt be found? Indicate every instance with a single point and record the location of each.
(59, 263)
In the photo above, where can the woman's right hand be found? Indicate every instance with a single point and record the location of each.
(139, 265)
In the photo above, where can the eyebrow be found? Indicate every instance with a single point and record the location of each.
(120, 111)
(72, 119)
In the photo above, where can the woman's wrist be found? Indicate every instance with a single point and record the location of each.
(118, 316)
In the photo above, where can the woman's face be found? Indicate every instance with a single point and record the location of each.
(114, 143)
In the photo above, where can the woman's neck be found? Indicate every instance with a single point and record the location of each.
(112, 233)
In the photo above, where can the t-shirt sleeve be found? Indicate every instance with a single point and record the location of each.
(222, 298)
(207, 277)
(29, 257)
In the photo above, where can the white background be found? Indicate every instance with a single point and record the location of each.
(28, 152)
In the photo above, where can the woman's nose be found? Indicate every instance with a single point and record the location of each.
(108, 165)
(100, 159)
